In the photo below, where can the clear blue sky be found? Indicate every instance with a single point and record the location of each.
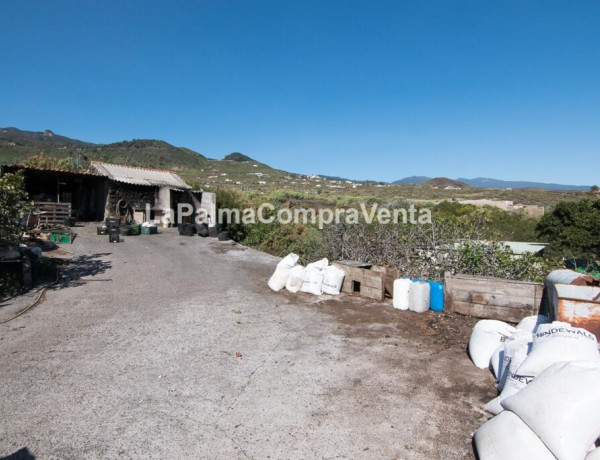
(360, 89)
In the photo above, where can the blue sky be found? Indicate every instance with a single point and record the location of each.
(362, 89)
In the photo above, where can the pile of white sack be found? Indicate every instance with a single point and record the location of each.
(548, 403)
(316, 278)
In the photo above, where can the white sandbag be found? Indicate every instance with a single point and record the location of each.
(295, 279)
(487, 336)
(593, 454)
(496, 362)
(319, 264)
(313, 281)
(500, 360)
(561, 406)
(288, 261)
(511, 383)
(418, 298)
(507, 437)
(531, 323)
(401, 293)
(279, 278)
(332, 280)
(513, 345)
(282, 272)
(557, 342)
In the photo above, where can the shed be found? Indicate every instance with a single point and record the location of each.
(82, 193)
(136, 190)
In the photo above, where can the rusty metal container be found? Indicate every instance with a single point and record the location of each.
(578, 305)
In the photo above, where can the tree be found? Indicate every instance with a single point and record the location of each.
(12, 208)
(594, 189)
(572, 229)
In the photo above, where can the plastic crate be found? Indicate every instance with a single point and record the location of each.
(61, 236)
(149, 230)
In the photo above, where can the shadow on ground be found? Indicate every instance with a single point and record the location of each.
(73, 271)
(21, 454)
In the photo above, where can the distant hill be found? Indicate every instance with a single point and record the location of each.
(484, 182)
(412, 180)
(236, 156)
(17, 145)
(443, 182)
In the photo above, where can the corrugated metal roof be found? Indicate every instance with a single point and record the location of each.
(520, 248)
(77, 172)
(140, 176)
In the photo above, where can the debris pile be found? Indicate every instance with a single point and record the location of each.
(548, 376)
(357, 278)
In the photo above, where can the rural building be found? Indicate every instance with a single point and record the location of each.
(82, 193)
(114, 190)
(131, 189)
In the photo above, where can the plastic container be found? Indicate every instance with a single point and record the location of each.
(436, 296)
(401, 293)
(149, 230)
(419, 297)
(112, 222)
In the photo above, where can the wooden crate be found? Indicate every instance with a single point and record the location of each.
(362, 279)
(492, 298)
(52, 214)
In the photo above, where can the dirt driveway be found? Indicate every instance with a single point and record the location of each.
(166, 346)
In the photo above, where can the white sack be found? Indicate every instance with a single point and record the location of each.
(319, 264)
(282, 272)
(593, 454)
(288, 261)
(561, 406)
(531, 323)
(295, 279)
(513, 345)
(487, 336)
(511, 383)
(333, 280)
(279, 278)
(313, 281)
(496, 362)
(507, 437)
(557, 342)
(401, 294)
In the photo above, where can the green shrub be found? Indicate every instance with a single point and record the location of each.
(282, 239)
(9, 286)
(12, 208)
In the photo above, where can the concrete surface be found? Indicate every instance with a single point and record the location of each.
(165, 346)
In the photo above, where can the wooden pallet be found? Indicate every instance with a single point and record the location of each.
(52, 214)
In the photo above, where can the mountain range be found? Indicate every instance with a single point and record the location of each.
(16, 145)
(485, 182)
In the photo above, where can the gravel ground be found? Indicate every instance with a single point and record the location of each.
(165, 346)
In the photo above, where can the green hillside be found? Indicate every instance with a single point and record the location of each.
(242, 172)
(236, 169)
